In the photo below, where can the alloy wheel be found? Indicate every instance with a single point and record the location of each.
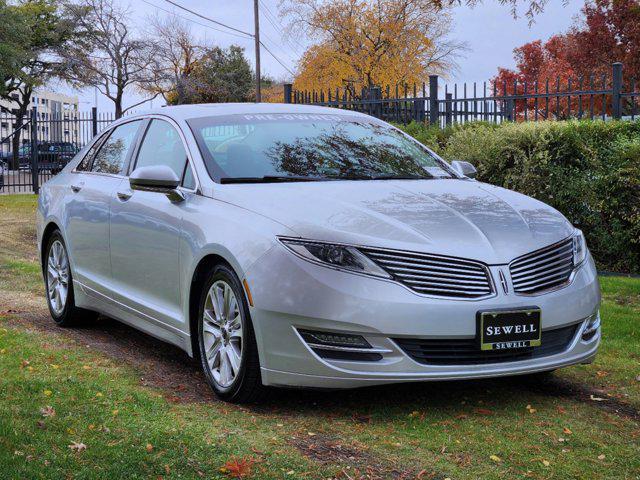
(57, 277)
(222, 333)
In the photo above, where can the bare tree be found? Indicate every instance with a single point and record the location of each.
(110, 57)
(176, 53)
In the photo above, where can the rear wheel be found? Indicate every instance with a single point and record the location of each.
(59, 285)
(227, 344)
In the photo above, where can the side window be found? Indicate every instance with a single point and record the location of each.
(113, 152)
(162, 145)
(85, 163)
(189, 181)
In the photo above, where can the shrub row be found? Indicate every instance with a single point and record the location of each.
(588, 170)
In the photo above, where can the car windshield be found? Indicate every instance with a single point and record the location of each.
(304, 147)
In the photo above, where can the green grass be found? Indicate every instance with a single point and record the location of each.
(507, 428)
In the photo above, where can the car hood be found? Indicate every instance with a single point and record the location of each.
(461, 218)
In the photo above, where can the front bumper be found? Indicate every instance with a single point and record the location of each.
(290, 294)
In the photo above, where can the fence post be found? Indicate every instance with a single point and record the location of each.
(34, 150)
(616, 92)
(509, 106)
(288, 90)
(94, 120)
(433, 100)
(375, 96)
(448, 107)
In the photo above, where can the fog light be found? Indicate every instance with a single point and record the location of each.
(592, 324)
(334, 339)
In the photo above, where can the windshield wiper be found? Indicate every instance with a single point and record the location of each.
(401, 177)
(272, 179)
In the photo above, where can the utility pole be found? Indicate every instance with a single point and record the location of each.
(256, 37)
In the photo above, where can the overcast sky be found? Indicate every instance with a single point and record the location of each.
(489, 30)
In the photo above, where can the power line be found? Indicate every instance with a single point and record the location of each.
(277, 59)
(279, 29)
(222, 31)
(207, 18)
(193, 21)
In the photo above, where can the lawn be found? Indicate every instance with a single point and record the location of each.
(104, 401)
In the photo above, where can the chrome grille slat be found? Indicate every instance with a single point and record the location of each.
(444, 278)
(543, 260)
(467, 288)
(544, 269)
(427, 258)
(419, 267)
(434, 275)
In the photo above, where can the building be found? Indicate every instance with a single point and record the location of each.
(55, 113)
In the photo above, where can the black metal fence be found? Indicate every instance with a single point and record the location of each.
(57, 137)
(596, 96)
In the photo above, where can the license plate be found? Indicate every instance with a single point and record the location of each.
(509, 329)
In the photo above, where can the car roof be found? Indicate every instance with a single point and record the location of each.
(186, 112)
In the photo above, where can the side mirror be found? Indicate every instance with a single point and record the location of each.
(157, 178)
(464, 168)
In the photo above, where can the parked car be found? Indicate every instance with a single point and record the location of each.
(52, 156)
(291, 245)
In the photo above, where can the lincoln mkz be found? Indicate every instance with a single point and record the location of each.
(289, 245)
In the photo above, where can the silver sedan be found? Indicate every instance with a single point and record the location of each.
(287, 245)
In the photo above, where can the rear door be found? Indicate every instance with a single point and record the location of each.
(92, 184)
(146, 228)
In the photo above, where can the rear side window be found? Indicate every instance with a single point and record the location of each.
(84, 165)
(162, 145)
(113, 153)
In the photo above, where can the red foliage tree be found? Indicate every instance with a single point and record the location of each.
(608, 32)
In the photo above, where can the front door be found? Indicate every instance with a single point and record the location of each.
(145, 233)
(88, 208)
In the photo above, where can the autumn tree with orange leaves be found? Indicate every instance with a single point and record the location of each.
(362, 43)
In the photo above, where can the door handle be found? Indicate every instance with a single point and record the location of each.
(76, 187)
(124, 196)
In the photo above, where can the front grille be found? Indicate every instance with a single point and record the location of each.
(432, 274)
(543, 269)
(467, 351)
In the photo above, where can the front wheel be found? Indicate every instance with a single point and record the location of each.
(226, 339)
(59, 285)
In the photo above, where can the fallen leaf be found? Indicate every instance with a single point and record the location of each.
(602, 456)
(48, 411)
(311, 434)
(531, 409)
(495, 458)
(602, 373)
(483, 411)
(86, 367)
(561, 410)
(238, 468)
(546, 463)
(567, 431)
(78, 447)
(47, 393)
(596, 399)
(149, 448)
(54, 366)
(414, 414)
(98, 394)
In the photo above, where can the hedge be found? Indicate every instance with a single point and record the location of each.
(588, 170)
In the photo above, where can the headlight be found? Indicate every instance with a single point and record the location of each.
(342, 257)
(579, 248)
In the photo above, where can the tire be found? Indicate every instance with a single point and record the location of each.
(226, 337)
(63, 310)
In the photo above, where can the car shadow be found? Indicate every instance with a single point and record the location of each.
(180, 379)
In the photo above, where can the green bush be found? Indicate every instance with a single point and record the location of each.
(588, 170)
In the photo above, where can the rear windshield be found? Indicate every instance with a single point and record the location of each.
(314, 147)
